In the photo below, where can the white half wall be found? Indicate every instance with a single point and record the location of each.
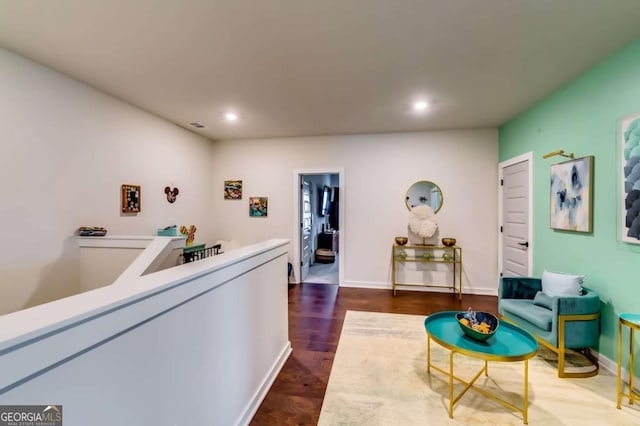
(66, 150)
(378, 169)
(199, 344)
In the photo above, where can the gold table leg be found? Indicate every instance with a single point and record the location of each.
(631, 364)
(451, 384)
(526, 392)
(632, 394)
(428, 354)
(619, 363)
(470, 385)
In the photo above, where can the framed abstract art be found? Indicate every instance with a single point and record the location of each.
(233, 190)
(572, 195)
(629, 155)
(258, 206)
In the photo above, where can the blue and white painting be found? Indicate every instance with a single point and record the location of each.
(630, 146)
(571, 195)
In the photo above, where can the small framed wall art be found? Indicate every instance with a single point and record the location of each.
(131, 198)
(233, 190)
(258, 206)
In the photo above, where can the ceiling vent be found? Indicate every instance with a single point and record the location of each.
(197, 125)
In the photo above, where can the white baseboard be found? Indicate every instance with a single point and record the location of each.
(367, 284)
(612, 367)
(387, 286)
(262, 390)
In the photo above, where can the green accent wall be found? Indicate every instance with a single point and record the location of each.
(584, 117)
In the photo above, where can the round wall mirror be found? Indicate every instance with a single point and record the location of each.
(424, 192)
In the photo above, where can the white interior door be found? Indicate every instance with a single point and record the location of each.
(305, 228)
(516, 238)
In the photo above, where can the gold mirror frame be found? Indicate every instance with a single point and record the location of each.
(424, 192)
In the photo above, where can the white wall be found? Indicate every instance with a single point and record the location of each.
(378, 169)
(197, 345)
(66, 149)
(101, 266)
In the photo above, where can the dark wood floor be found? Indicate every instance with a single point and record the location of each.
(316, 314)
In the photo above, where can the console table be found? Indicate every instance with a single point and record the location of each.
(450, 255)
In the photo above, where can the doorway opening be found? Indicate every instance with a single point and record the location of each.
(319, 239)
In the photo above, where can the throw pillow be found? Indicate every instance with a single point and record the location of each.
(558, 284)
(543, 300)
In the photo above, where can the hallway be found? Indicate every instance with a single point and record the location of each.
(323, 273)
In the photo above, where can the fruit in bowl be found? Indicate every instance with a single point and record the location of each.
(478, 325)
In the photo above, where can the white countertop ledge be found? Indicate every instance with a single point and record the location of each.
(122, 241)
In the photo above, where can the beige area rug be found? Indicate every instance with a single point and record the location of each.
(379, 377)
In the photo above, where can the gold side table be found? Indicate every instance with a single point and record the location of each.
(633, 322)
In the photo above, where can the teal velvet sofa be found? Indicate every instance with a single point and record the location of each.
(559, 323)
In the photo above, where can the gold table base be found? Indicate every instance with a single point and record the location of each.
(632, 395)
(469, 385)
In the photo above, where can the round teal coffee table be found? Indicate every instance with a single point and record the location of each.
(510, 343)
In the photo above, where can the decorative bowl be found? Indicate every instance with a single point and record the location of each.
(401, 241)
(449, 242)
(480, 332)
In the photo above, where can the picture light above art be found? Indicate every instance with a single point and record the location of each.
(558, 152)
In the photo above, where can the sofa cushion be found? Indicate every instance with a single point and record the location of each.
(543, 300)
(525, 309)
(557, 284)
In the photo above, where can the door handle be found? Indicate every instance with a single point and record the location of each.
(525, 244)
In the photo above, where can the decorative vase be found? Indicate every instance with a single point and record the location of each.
(449, 242)
(401, 240)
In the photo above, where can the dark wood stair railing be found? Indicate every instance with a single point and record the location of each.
(192, 256)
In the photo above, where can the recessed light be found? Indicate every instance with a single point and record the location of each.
(231, 116)
(420, 105)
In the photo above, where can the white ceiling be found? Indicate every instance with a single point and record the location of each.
(303, 67)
